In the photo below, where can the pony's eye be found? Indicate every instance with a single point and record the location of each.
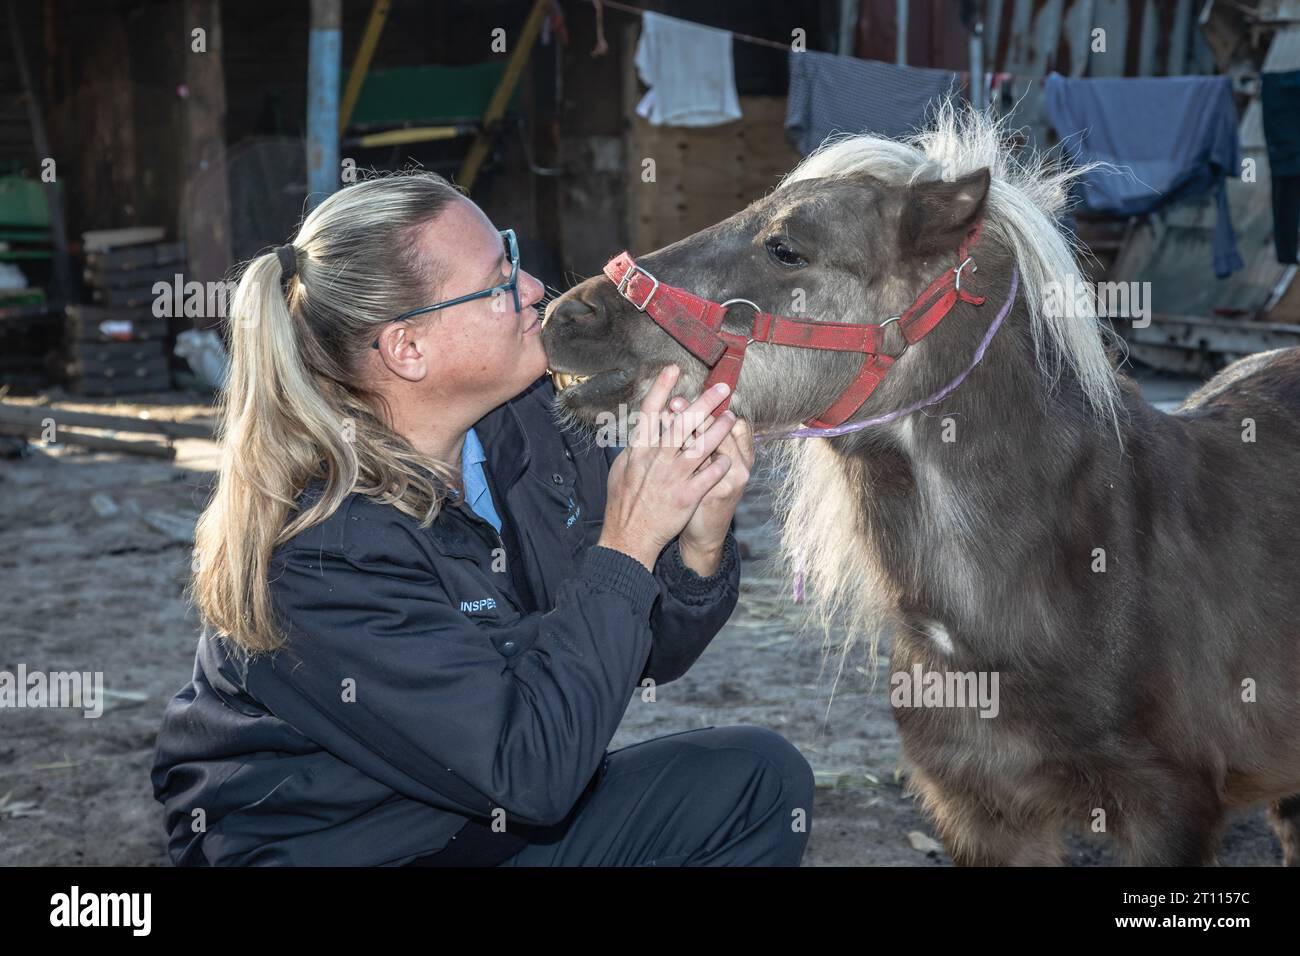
(780, 250)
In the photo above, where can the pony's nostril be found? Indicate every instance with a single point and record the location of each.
(571, 310)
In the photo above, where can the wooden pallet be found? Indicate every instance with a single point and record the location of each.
(91, 323)
(137, 257)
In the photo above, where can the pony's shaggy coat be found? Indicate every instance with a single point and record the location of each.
(1129, 575)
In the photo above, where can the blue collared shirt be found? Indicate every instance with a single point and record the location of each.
(474, 478)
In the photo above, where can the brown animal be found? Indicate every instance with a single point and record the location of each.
(1129, 577)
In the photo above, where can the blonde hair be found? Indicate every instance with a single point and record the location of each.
(293, 410)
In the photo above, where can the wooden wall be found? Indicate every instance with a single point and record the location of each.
(603, 204)
(703, 175)
(121, 99)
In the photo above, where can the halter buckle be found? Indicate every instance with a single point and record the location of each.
(627, 277)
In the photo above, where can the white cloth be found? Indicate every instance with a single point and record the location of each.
(689, 71)
(206, 356)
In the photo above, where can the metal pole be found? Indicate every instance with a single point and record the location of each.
(900, 42)
(324, 59)
(848, 26)
(977, 63)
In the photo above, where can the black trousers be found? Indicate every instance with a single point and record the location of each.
(720, 796)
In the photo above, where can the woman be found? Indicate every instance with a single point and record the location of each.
(420, 632)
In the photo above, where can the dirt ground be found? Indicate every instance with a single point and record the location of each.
(97, 585)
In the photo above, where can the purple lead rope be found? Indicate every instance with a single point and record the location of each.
(895, 415)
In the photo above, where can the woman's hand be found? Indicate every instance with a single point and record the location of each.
(702, 540)
(656, 485)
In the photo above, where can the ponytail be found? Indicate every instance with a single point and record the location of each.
(293, 411)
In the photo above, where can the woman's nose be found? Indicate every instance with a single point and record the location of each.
(530, 289)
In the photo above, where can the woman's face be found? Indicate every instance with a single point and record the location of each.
(481, 348)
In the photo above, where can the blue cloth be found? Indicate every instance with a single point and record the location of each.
(1280, 99)
(842, 94)
(1172, 137)
(474, 479)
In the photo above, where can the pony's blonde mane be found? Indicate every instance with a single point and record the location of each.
(1026, 194)
(824, 537)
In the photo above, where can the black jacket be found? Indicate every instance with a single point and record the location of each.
(432, 676)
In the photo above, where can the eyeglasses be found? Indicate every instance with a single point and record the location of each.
(511, 247)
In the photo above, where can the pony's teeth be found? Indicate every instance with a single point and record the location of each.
(563, 380)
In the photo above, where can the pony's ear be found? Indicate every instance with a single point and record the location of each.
(937, 215)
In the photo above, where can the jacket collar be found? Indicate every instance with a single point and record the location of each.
(505, 443)
(504, 438)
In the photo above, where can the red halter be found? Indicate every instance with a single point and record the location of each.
(697, 325)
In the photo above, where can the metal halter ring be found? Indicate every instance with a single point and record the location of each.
(970, 261)
(906, 344)
(753, 305)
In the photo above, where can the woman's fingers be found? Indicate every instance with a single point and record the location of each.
(707, 441)
(739, 442)
(693, 416)
(729, 447)
(700, 483)
(646, 433)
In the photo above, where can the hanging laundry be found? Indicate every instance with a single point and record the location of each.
(842, 94)
(689, 71)
(1280, 100)
(1170, 137)
(994, 84)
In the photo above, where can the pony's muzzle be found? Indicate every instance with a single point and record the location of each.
(563, 317)
(570, 311)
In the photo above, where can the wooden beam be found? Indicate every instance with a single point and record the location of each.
(501, 96)
(205, 216)
(409, 134)
(149, 449)
(36, 416)
(361, 65)
(41, 144)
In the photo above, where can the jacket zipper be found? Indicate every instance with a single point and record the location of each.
(492, 539)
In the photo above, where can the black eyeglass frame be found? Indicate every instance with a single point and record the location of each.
(511, 285)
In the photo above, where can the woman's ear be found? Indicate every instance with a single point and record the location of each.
(937, 215)
(400, 353)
